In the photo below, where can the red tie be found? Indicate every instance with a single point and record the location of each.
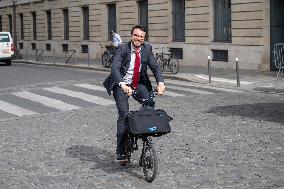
(136, 70)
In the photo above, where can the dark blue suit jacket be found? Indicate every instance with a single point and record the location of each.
(121, 62)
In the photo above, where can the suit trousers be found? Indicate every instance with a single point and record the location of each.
(122, 105)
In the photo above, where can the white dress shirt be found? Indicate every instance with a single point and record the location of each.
(129, 74)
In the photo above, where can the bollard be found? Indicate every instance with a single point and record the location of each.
(238, 72)
(36, 55)
(209, 69)
(53, 56)
(88, 59)
(27, 55)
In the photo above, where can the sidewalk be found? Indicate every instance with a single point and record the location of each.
(249, 79)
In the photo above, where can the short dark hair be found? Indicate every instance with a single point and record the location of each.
(139, 27)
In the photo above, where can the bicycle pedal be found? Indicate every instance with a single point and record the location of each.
(123, 162)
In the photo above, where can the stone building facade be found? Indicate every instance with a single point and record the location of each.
(195, 29)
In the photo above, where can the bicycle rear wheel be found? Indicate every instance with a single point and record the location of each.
(106, 60)
(160, 61)
(149, 161)
(173, 65)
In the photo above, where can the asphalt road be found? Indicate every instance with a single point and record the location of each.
(219, 139)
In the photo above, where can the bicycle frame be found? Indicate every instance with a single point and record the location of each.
(148, 159)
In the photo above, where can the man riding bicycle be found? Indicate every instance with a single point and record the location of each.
(128, 73)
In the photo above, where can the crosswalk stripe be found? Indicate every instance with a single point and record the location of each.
(13, 109)
(223, 80)
(200, 86)
(189, 90)
(53, 103)
(80, 95)
(172, 94)
(99, 88)
(89, 86)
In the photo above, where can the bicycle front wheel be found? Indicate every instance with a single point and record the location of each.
(149, 161)
(160, 62)
(106, 60)
(173, 65)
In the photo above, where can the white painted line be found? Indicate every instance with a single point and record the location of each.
(172, 94)
(189, 90)
(99, 88)
(92, 87)
(223, 80)
(201, 86)
(50, 102)
(80, 95)
(13, 109)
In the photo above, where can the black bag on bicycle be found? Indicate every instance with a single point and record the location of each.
(149, 122)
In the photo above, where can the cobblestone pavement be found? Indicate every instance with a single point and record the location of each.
(218, 141)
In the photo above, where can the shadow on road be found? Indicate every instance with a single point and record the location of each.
(103, 159)
(273, 112)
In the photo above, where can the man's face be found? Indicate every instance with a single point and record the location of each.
(137, 37)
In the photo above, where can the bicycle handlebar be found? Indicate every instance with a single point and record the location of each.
(152, 95)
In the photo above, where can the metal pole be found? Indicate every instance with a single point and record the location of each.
(238, 72)
(27, 55)
(15, 28)
(36, 55)
(88, 59)
(53, 56)
(209, 69)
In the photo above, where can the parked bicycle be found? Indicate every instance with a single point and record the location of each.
(107, 55)
(145, 124)
(166, 58)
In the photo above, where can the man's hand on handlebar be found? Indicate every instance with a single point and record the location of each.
(126, 89)
(161, 88)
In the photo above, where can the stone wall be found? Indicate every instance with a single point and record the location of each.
(250, 28)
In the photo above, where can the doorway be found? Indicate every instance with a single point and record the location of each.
(276, 26)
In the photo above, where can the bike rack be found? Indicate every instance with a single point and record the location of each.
(278, 55)
(40, 55)
(69, 55)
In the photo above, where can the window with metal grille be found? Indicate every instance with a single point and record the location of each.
(10, 24)
(111, 20)
(85, 48)
(143, 15)
(220, 55)
(1, 23)
(222, 21)
(177, 52)
(178, 14)
(48, 47)
(21, 45)
(22, 25)
(86, 34)
(66, 24)
(64, 47)
(49, 26)
(33, 46)
(34, 26)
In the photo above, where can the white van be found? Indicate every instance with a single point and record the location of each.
(6, 48)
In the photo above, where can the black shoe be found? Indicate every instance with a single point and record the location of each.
(121, 157)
